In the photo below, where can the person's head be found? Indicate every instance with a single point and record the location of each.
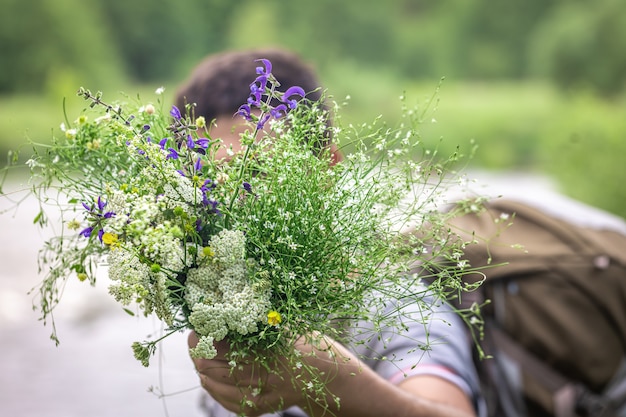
(220, 84)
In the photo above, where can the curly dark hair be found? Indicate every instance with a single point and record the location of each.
(221, 83)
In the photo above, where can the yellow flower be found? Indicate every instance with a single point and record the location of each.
(93, 145)
(201, 122)
(110, 239)
(73, 224)
(208, 251)
(82, 276)
(274, 318)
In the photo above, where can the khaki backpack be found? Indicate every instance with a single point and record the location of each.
(555, 325)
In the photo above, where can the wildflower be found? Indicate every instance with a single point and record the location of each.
(262, 121)
(142, 353)
(81, 276)
(73, 224)
(200, 122)
(149, 109)
(221, 178)
(279, 111)
(93, 145)
(291, 92)
(86, 232)
(274, 318)
(245, 112)
(202, 143)
(109, 239)
(208, 252)
(70, 134)
(172, 154)
(268, 67)
(159, 91)
(175, 113)
(97, 213)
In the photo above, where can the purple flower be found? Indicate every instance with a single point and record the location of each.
(257, 90)
(97, 215)
(197, 166)
(172, 154)
(268, 67)
(175, 113)
(245, 112)
(162, 143)
(146, 128)
(209, 185)
(262, 121)
(203, 143)
(278, 111)
(101, 204)
(247, 187)
(291, 92)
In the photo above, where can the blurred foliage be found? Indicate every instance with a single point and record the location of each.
(538, 85)
(572, 42)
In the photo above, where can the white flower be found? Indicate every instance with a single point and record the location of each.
(104, 118)
(159, 91)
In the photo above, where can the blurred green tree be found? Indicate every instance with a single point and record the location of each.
(583, 45)
(160, 38)
(45, 42)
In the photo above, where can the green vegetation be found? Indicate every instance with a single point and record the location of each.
(538, 86)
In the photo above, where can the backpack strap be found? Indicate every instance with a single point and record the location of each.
(569, 397)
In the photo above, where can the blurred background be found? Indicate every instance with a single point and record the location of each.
(539, 87)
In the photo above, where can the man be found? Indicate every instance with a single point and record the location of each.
(440, 382)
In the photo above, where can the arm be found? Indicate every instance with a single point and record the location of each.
(362, 392)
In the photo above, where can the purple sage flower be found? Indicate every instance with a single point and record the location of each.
(245, 112)
(190, 143)
(268, 67)
(175, 113)
(291, 92)
(278, 111)
(262, 121)
(203, 143)
(172, 154)
(197, 166)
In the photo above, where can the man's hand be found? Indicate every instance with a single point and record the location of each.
(254, 390)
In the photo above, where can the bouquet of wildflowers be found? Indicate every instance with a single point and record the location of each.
(260, 248)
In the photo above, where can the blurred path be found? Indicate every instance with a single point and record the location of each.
(92, 372)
